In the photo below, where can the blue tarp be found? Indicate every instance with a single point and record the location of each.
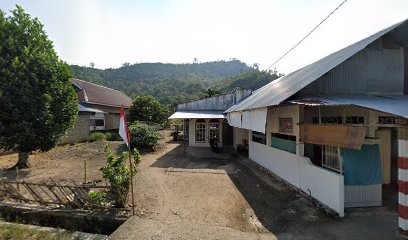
(283, 144)
(362, 167)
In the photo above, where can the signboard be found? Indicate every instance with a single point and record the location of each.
(286, 125)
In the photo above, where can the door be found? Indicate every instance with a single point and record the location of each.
(385, 151)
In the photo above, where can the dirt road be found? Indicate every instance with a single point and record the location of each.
(183, 198)
(196, 194)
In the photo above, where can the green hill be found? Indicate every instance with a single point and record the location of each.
(176, 83)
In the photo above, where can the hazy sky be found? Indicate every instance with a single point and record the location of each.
(111, 32)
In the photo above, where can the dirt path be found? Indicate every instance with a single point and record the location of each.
(196, 194)
(62, 163)
(182, 198)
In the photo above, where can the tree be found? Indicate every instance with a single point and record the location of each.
(92, 64)
(212, 92)
(37, 102)
(148, 109)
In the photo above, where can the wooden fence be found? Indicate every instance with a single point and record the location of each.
(51, 194)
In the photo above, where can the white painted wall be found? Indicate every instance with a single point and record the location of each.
(325, 186)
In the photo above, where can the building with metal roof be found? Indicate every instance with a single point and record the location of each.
(337, 129)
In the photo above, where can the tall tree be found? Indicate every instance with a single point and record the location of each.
(37, 102)
(148, 109)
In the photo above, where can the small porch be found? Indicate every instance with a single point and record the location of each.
(201, 126)
(343, 155)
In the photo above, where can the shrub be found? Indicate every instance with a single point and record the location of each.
(97, 136)
(143, 136)
(110, 136)
(118, 175)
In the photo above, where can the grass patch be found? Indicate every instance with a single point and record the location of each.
(17, 232)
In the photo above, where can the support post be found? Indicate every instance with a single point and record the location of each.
(403, 182)
(131, 181)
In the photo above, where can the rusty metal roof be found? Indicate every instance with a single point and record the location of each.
(396, 105)
(96, 94)
(281, 89)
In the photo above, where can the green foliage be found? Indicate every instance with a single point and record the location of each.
(20, 232)
(110, 136)
(97, 136)
(251, 79)
(37, 102)
(100, 198)
(169, 83)
(143, 136)
(148, 109)
(117, 173)
(212, 92)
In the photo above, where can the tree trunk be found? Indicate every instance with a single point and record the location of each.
(22, 160)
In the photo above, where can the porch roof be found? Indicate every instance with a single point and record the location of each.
(202, 114)
(82, 108)
(396, 105)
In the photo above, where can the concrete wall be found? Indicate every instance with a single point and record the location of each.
(220, 103)
(325, 186)
(239, 135)
(373, 70)
(272, 123)
(80, 131)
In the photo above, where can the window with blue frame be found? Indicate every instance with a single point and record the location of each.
(284, 142)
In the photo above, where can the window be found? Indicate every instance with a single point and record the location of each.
(331, 158)
(99, 122)
(214, 130)
(328, 120)
(286, 125)
(96, 124)
(355, 120)
(200, 131)
(284, 142)
(258, 137)
(386, 120)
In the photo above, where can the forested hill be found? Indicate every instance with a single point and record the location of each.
(175, 83)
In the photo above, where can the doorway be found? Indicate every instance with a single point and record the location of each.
(389, 164)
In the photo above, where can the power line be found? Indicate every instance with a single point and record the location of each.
(307, 35)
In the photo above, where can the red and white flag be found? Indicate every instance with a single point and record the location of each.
(123, 129)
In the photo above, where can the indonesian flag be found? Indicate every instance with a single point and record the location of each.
(123, 130)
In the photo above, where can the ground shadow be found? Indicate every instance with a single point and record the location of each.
(275, 205)
(193, 158)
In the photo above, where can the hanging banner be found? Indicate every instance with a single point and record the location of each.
(333, 135)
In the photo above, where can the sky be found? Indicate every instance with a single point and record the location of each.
(112, 32)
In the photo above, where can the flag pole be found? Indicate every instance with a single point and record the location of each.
(131, 180)
(124, 134)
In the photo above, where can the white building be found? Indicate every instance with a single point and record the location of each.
(337, 129)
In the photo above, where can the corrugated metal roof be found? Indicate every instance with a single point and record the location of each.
(82, 108)
(196, 114)
(281, 89)
(397, 105)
